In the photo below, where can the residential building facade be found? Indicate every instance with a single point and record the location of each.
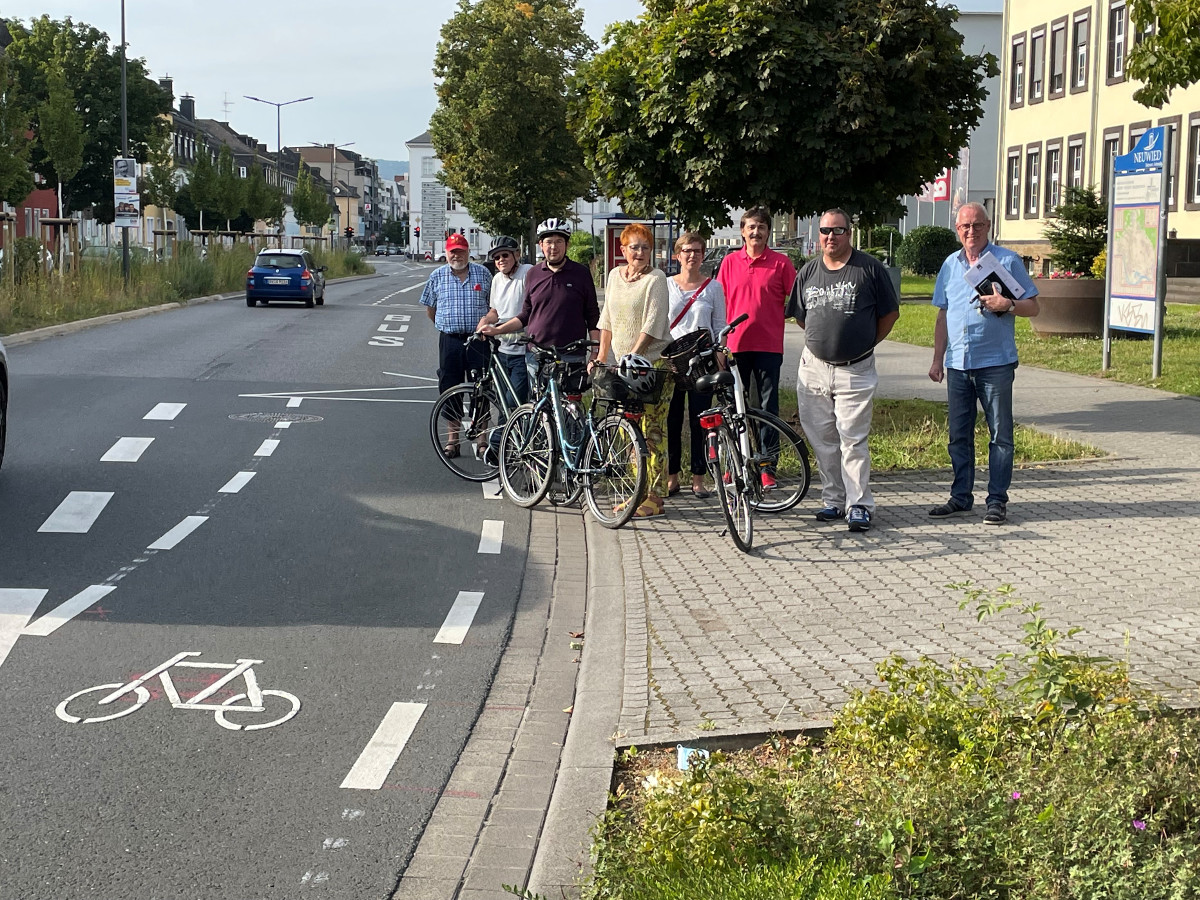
(1068, 109)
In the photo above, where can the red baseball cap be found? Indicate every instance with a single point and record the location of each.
(457, 242)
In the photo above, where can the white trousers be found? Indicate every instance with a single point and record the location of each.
(835, 411)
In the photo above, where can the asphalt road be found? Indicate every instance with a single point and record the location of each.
(331, 559)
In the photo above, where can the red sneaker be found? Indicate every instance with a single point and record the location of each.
(768, 482)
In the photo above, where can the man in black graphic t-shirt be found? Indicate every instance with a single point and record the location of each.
(845, 302)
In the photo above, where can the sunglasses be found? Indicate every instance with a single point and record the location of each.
(839, 230)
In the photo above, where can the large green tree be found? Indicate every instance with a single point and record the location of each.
(16, 180)
(263, 201)
(1168, 55)
(158, 185)
(701, 105)
(310, 206)
(229, 189)
(92, 70)
(500, 128)
(200, 192)
(60, 130)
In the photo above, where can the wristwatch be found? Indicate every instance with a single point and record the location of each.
(1012, 304)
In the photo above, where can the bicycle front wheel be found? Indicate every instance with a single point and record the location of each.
(616, 454)
(775, 443)
(729, 473)
(526, 456)
(463, 426)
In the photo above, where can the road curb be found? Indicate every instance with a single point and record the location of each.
(40, 334)
(584, 779)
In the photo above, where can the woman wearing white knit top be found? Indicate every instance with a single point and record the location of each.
(634, 320)
(697, 303)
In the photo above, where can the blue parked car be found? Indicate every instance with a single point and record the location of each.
(285, 275)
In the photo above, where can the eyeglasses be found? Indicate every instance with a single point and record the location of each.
(834, 229)
(690, 251)
(973, 226)
(638, 248)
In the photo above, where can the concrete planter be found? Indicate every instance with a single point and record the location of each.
(1070, 307)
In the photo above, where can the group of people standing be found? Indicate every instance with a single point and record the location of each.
(844, 300)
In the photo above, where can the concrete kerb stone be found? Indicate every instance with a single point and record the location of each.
(40, 334)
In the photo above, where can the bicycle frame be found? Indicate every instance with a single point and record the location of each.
(569, 452)
(162, 672)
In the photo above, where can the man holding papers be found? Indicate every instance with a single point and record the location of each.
(978, 293)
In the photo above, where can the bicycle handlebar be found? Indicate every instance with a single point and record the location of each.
(730, 327)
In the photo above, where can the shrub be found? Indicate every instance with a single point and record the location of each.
(1079, 232)
(881, 237)
(584, 247)
(925, 248)
(797, 258)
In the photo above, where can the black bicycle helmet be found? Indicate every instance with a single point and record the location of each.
(554, 226)
(505, 243)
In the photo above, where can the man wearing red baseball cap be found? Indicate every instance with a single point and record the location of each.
(455, 299)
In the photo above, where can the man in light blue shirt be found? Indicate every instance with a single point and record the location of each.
(975, 351)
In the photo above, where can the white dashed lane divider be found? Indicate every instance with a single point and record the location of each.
(65, 612)
(492, 538)
(164, 412)
(492, 489)
(171, 539)
(459, 619)
(236, 483)
(77, 513)
(267, 447)
(371, 769)
(127, 449)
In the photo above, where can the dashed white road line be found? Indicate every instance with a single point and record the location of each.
(371, 769)
(65, 612)
(236, 483)
(283, 424)
(267, 447)
(172, 538)
(420, 284)
(77, 513)
(293, 402)
(165, 412)
(459, 619)
(492, 538)
(127, 449)
(492, 490)
(16, 606)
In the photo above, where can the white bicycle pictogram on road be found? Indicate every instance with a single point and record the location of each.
(243, 668)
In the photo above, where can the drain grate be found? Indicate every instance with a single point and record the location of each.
(272, 418)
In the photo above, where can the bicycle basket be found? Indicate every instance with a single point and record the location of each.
(683, 358)
(608, 385)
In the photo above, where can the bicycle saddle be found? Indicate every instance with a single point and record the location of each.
(706, 383)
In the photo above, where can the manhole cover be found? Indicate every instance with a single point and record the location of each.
(272, 418)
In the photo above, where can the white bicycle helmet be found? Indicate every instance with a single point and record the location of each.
(637, 372)
(554, 226)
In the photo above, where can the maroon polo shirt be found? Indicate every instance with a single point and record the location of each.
(560, 307)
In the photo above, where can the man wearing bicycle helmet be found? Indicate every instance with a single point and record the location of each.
(455, 299)
(560, 297)
(508, 295)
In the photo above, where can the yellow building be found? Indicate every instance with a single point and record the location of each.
(1068, 109)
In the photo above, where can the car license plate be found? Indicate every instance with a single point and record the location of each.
(279, 281)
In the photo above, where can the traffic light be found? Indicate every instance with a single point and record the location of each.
(349, 232)
(417, 232)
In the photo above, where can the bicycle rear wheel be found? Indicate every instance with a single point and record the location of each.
(618, 449)
(786, 455)
(729, 473)
(462, 424)
(526, 456)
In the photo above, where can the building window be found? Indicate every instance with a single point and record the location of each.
(1053, 179)
(1033, 164)
(241, 171)
(451, 202)
(1135, 134)
(429, 166)
(1075, 163)
(1037, 66)
(1058, 60)
(1112, 147)
(1013, 185)
(1174, 152)
(1016, 93)
(1193, 163)
(1116, 42)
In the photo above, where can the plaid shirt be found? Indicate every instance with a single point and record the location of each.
(459, 305)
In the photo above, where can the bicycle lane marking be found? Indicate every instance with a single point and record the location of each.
(17, 605)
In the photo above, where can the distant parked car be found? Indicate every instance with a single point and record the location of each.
(381, 250)
(285, 275)
(3, 401)
(102, 253)
(712, 261)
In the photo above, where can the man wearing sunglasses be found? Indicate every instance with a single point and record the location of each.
(975, 351)
(846, 304)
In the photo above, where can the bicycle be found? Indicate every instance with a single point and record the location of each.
(596, 449)
(253, 695)
(758, 461)
(467, 419)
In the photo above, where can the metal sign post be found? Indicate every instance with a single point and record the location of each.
(1135, 287)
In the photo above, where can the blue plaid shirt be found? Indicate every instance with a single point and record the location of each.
(459, 305)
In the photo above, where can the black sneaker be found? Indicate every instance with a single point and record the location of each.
(949, 508)
(997, 514)
(859, 518)
(829, 514)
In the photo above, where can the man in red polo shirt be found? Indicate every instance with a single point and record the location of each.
(757, 281)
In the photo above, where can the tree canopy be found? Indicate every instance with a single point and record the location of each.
(16, 180)
(92, 70)
(500, 128)
(309, 205)
(702, 105)
(60, 129)
(1168, 55)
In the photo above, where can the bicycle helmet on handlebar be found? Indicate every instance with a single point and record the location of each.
(637, 372)
(554, 226)
(505, 244)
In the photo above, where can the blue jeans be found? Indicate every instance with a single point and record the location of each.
(518, 374)
(991, 388)
(760, 374)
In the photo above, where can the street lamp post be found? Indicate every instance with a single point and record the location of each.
(278, 133)
(124, 147)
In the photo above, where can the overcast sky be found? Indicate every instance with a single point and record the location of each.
(367, 63)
